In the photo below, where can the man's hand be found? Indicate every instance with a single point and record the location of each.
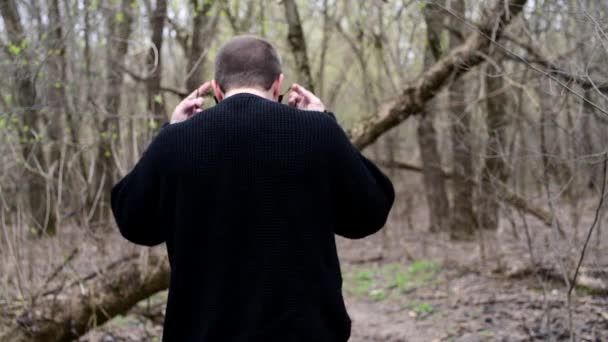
(302, 98)
(190, 105)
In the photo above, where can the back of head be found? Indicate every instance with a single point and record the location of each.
(247, 61)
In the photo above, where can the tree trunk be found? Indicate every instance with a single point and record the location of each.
(198, 43)
(59, 102)
(463, 222)
(119, 31)
(156, 103)
(494, 171)
(42, 216)
(295, 38)
(434, 182)
(323, 52)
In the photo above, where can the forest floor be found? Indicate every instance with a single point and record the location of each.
(451, 296)
(403, 283)
(410, 285)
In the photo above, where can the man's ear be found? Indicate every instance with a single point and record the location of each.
(276, 86)
(217, 90)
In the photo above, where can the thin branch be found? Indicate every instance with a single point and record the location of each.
(505, 194)
(584, 250)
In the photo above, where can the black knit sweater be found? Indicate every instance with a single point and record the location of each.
(247, 196)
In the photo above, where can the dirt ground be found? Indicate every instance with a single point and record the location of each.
(447, 294)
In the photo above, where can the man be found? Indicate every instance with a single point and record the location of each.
(247, 195)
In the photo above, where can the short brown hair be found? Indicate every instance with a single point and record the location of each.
(247, 61)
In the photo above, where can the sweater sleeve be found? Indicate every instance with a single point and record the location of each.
(136, 201)
(364, 195)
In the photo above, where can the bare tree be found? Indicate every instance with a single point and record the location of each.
(296, 40)
(202, 30)
(40, 201)
(434, 183)
(118, 35)
(156, 103)
(463, 222)
(494, 172)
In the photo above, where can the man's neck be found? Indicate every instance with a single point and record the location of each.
(253, 91)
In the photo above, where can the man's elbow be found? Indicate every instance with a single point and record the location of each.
(135, 235)
(365, 222)
(362, 227)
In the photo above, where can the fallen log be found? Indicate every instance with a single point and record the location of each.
(77, 309)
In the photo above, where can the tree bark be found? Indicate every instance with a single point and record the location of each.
(198, 43)
(434, 183)
(84, 305)
(463, 223)
(119, 31)
(494, 171)
(323, 52)
(295, 38)
(156, 103)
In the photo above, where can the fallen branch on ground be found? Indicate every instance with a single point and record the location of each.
(67, 316)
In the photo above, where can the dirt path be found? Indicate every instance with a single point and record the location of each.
(476, 307)
(376, 323)
(416, 286)
(480, 309)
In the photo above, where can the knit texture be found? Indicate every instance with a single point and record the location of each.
(247, 195)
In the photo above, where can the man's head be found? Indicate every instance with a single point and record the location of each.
(247, 62)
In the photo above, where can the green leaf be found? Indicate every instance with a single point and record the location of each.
(120, 17)
(94, 4)
(2, 123)
(158, 99)
(14, 49)
(153, 124)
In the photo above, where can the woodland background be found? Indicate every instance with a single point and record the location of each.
(490, 116)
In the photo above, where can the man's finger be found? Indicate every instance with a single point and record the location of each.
(302, 91)
(294, 99)
(193, 103)
(292, 96)
(200, 91)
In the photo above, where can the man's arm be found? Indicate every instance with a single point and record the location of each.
(137, 198)
(136, 201)
(363, 194)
